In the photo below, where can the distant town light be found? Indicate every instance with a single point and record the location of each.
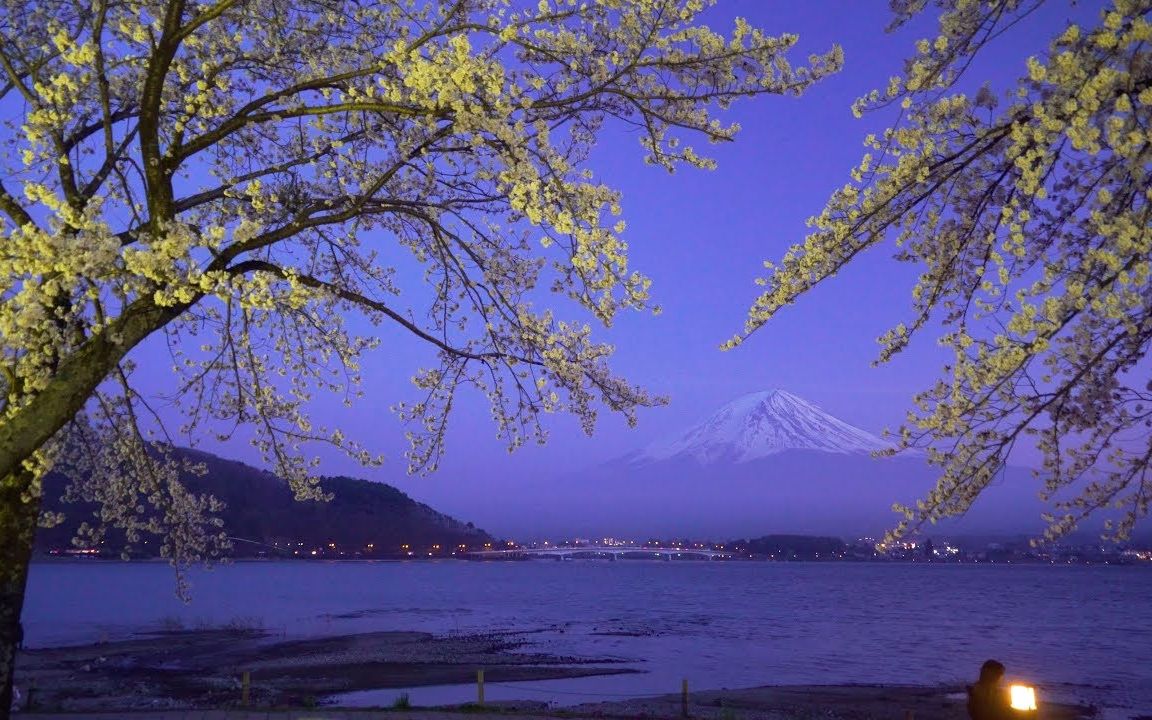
(1023, 697)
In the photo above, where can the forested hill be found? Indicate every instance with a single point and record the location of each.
(363, 519)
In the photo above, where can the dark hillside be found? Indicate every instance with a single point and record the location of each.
(364, 518)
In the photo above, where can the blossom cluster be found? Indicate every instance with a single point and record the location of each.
(1030, 217)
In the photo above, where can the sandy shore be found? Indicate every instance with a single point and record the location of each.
(188, 669)
(849, 702)
(817, 702)
(196, 673)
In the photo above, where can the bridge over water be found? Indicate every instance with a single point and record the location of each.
(611, 552)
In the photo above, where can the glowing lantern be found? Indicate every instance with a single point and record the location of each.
(1023, 697)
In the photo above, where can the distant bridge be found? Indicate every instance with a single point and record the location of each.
(612, 552)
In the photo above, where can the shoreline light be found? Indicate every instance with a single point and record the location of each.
(1023, 697)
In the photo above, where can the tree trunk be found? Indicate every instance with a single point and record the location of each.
(33, 423)
(19, 509)
(25, 431)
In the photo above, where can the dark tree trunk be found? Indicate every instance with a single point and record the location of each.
(19, 508)
(25, 431)
(38, 417)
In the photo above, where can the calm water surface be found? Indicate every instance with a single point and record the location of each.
(1080, 632)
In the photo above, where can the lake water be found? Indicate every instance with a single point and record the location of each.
(1079, 632)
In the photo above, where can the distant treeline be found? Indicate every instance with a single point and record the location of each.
(363, 518)
(799, 547)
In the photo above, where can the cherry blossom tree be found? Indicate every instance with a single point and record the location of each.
(1028, 211)
(240, 177)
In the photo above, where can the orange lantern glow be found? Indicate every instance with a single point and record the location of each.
(1023, 697)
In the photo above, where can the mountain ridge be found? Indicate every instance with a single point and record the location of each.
(261, 512)
(758, 425)
(766, 462)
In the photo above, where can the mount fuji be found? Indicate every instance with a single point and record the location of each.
(759, 425)
(768, 462)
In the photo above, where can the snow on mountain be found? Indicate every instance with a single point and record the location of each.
(762, 424)
(769, 462)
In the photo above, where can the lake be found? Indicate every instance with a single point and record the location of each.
(1079, 632)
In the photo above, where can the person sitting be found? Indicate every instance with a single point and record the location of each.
(987, 699)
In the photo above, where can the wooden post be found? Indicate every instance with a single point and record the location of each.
(909, 715)
(479, 687)
(684, 698)
(245, 684)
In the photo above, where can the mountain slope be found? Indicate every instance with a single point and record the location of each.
(769, 462)
(260, 509)
(802, 492)
(759, 425)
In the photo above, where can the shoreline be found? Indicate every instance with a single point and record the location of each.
(49, 559)
(821, 702)
(781, 702)
(168, 672)
(203, 669)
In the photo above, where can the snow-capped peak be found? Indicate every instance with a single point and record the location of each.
(762, 424)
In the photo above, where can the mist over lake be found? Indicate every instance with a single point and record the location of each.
(1078, 632)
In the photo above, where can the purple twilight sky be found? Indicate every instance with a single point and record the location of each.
(702, 237)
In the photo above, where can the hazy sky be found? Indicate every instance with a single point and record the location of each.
(702, 237)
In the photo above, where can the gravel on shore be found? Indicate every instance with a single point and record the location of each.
(178, 674)
(818, 702)
(813, 702)
(203, 669)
